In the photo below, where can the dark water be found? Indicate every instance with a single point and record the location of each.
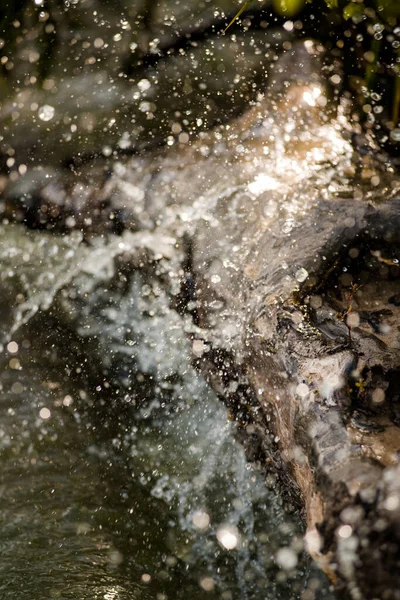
(129, 502)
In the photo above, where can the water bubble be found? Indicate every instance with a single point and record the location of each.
(384, 328)
(67, 400)
(144, 106)
(171, 561)
(106, 150)
(176, 127)
(184, 138)
(354, 252)
(310, 96)
(330, 384)
(15, 364)
(352, 514)
(349, 222)
(336, 79)
(46, 112)
(17, 388)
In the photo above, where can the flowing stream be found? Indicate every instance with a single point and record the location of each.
(143, 493)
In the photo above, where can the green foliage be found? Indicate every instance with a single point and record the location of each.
(352, 10)
(288, 7)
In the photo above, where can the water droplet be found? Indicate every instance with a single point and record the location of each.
(201, 519)
(46, 112)
(12, 347)
(228, 536)
(207, 583)
(198, 347)
(144, 85)
(353, 319)
(301, 275)
(44, 413)
(286, 558)
(395, 134)
(392, 502)
(345, 531)
(378, 396)
(315, 302)
(302, 390)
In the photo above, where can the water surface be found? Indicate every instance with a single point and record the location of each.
(129, 502)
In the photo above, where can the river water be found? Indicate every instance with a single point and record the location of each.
(140, 494)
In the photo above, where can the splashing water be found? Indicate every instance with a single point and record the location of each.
(151, 497)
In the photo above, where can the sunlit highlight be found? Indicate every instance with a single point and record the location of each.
(263, 183)
(310, 96)
(228, 536)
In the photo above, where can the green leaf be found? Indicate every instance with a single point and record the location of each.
(352, 10)
(288, 8)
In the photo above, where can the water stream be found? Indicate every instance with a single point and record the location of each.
(111, 495)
